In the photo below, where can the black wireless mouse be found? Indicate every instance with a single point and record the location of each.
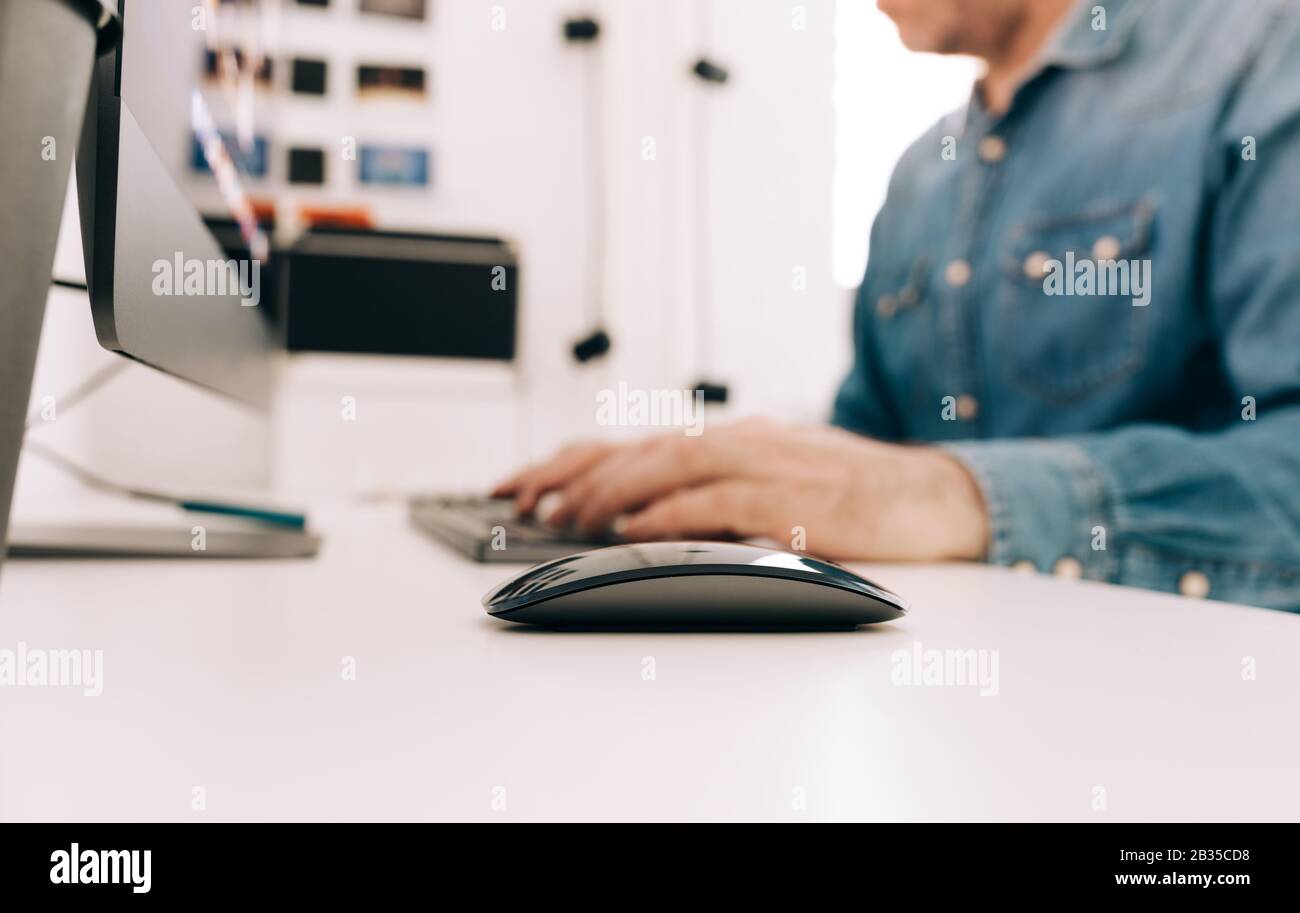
(692, 586)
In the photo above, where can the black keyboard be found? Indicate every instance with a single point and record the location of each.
(486, 529)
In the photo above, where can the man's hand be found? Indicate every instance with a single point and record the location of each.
(855, 498)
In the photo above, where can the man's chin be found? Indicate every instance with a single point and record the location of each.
(920, 30)
(924, 41)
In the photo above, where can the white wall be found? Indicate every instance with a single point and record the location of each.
(506, 128)
(784, 348)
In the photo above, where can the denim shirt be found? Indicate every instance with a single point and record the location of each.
(1154, 442)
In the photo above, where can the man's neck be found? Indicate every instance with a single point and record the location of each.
(1016, 54)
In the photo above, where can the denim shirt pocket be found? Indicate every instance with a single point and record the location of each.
(1067, 347)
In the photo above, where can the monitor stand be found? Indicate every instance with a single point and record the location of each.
(106, 541)
(52, 45)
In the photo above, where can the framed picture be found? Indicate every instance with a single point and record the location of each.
(248, 161)
(306, 165)
(397, 166)
(309, 77)
(230, 63)
(403, 9)
(374, 80)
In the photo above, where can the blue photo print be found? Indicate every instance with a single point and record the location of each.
(400, 166)
(252, 162)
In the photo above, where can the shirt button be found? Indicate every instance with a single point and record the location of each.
(993, 149)
(886, 305)
(1068, 568)
(967, 407)
(1194, 584)
(957, 273)
(1106, 248)
(1025, 566)
(1036, 264)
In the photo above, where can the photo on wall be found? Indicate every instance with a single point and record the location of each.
(306, 165)
(309, 77)
(249, 160)
(229, 63)
(385, 81)
(414, 10)
(395, 166)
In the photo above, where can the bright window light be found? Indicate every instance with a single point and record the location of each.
(885, 97)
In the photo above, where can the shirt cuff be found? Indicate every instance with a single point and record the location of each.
(1048, 505)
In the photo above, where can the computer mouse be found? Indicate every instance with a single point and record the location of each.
(692, 586)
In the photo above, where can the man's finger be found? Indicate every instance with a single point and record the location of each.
(735, 507)
(575, 494)
(508, 486)
(655, 472)
(556, 472)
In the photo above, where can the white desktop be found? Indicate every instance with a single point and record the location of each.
(369, 684)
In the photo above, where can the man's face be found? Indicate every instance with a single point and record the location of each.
(954, 26)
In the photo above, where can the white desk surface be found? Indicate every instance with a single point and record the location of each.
(228, 676)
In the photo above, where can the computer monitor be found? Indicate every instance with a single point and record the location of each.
(170, 132)
(170, 123)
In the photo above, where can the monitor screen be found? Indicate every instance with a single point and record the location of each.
(176, 141)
